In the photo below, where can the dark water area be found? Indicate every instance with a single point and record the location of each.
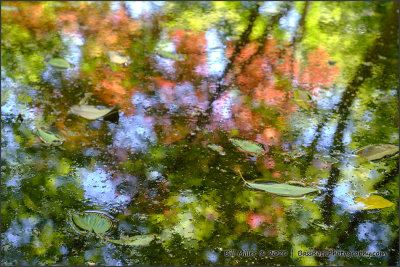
(231, 133)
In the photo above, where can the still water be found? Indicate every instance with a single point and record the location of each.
(218, 130)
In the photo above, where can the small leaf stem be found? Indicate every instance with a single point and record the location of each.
(102, 237)
(242, 176)
(107, 239)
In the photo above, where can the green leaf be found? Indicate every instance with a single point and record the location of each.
(217, 148)
(80, 222)
(95, 222)
(169, 55)
(302, 98)
(118, 58)
(247, 146)
(89, 112)
(371, 202)
(59, 63)
(162, 50)
(137, 240)
(375, 152)
(49, 138)
(282, 189)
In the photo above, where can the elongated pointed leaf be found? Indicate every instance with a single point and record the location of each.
(169, 55)
(49, 138)
(59, 63)
(137, 240)
(375, 152)
(282, 189)
(302, 98)
(89, 112)
(371, 202)
(247, 146)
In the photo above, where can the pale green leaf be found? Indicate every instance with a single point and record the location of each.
(138, 240)
(80, 222)
(282, 189)
(217, 148)
(375, 152)
(169, 55)
(89, 112)
(302, 98)
(49, 138)
(59, 63)
(95, 222)
(247, 146)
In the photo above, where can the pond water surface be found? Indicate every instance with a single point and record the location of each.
(185, 86)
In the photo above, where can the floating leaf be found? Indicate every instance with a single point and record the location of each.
(89, 112)
(323, 226)
(118, 58)
(162, 50)
(59, 63)
(327, 159)
(169, 55)
(90, 221)
(49, 138)
(371, 202)
(282, 189)
(247, 146)
(217, 148)
(302, 98)
(137, 240)
(375, 152)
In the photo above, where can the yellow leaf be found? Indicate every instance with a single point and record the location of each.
(371, 202)
(302, 98)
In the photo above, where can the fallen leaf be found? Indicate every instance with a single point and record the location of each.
(217, 148)
(59, 63)
(90, 221)
(49, 138)
(371, 202)
(282, 189)
(137, 240)
(89, 112)
(247, 146)
(375, 152)
(302, 98)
